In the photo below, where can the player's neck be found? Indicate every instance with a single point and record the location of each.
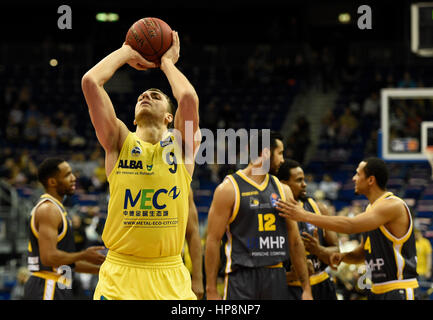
(151, 134)
(375, 193)
(55, 195)
(255, 173)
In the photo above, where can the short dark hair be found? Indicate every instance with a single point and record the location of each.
(48, 169)
(274, 136)
(284, 171)
(171, 105)
(377, 167)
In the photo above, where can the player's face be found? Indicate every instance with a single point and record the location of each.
(297, 183)
(360, 179)
(277, 157)
(65, 180)
(151, 103)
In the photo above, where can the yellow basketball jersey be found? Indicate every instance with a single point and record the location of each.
(148, 206)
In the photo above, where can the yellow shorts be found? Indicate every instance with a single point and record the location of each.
(123, 277)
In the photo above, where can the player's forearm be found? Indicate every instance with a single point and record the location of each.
(104, 69)
(180, 85)
(212, 261)
(195, 251)
(353, 257)
(58, 258)
(324, 253)
(291, 276)
(86, 267)
(299, 261)
(332, 223)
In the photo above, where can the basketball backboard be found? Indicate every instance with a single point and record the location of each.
(406, 123)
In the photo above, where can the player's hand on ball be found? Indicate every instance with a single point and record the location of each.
(135, 59)
(173, 53)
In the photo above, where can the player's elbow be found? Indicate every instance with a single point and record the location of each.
(189, 100)
(187, 113)
(88, 83)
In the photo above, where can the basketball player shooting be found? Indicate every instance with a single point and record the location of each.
(148, 207)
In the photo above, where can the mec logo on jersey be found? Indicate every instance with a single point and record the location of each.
(149, 198)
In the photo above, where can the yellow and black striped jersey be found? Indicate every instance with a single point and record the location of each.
(391, 261)
(256, 234)
(65, 238)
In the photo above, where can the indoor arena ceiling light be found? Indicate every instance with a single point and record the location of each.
(54, 62)
(107, 17)
(344, 17)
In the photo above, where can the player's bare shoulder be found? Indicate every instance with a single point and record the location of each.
(287, 191)
(47, 212)
(224, 197)
(225, 191)
(392, 209)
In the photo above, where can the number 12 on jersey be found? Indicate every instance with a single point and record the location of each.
(266, 222)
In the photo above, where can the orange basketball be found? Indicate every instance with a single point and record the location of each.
(151, 37)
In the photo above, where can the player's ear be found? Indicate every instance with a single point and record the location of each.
(135, 122)
(169, 117)
(266, 153)
(51, 182)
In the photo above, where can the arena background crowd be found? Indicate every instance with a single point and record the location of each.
(293, 68)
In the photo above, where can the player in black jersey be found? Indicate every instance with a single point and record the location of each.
(243, 208)
(319, 244)
(51, 251)
(388, 244)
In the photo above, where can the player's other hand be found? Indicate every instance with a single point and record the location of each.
(173, 53)
(136, 60)
(311, 242)
(93, 255)
(290, 209)
(335, 259)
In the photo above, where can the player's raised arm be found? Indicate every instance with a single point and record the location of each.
(108, 128)
(184, 93)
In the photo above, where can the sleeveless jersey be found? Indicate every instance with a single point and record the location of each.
(391, 260)
(148, 206)
(65, 238)
(319, 267)
(311, 206)
(256, 234)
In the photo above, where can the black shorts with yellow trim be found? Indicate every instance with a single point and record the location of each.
(47, 286)
(261, 283)
(394, 290)
(322, 288)
(398, 294)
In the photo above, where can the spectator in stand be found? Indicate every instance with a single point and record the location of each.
(370, 107)
(424, 254)
(312, 186)
(407, 81)
(329, 187)
(348, 124)
(47, 134)
(99, 177)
